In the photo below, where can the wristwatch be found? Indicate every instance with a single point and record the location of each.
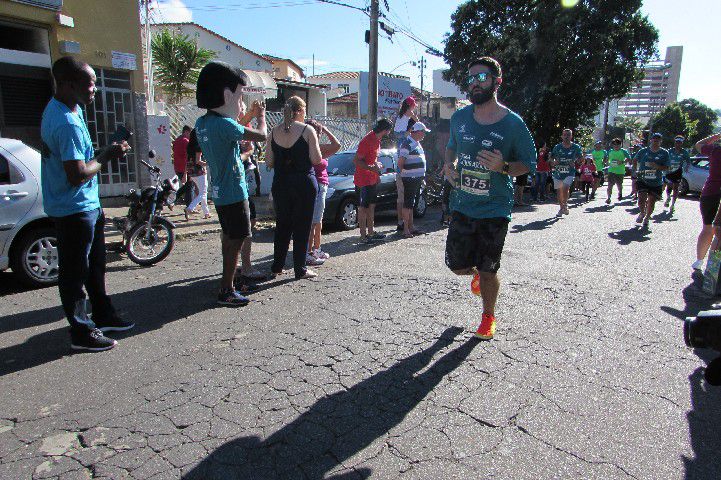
(506, 167)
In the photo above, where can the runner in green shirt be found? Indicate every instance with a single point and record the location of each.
(680, 160)
(600, 158)
(617, 157)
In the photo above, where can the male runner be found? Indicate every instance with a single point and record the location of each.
(600, 158)
(563, 160)
(650, 163)
(492, 144)
(617, 157)
(679, 159)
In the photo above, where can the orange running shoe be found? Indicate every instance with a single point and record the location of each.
(476, 284)
(487, 327)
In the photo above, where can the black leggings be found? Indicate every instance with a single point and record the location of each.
(294, 200)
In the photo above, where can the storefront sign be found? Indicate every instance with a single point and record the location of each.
(391, 93)
(253, 90)
(124, 61)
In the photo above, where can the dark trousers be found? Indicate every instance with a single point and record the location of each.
(294, 200)
(81, 258)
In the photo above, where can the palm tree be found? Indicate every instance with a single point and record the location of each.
(178, 60)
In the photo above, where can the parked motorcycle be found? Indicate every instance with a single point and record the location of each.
(148, 237)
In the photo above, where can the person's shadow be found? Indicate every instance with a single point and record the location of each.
(337, 426)
(599, 209)
(630, 235)
(536, 225)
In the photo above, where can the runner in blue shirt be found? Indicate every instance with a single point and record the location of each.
(219, 133)
(68, 175)
(491, 145)
(680, 160)
(563, 161)
(650, 163)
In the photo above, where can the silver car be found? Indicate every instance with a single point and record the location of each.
(28, 242)
(695, 176)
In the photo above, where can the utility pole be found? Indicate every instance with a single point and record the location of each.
(605, 122)
(149, 56)
(373, 66)
(420, 107)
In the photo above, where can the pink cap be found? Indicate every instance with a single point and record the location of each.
(411, 101)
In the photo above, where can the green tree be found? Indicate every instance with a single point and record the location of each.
(559, 63)
(671, 121)
(705, 116)
(177, 61)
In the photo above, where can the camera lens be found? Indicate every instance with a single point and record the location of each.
(687, 331)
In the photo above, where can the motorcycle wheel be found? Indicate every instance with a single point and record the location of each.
(149, 251)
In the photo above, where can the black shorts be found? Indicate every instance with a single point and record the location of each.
(522, 180)
(656, 191)
(475, 242)
(675, 176)
(709, 206)
(234, 219)
(411, 188)
(367, 195)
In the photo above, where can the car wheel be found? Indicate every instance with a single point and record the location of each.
(683, 188)
(421, 205)
(34, 258)
(348, 214)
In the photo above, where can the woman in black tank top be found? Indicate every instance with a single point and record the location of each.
(291, 151)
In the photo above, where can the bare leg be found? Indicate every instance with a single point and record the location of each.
(704, 241)
(650, 204)
(408, 221)
(231, 251)
(370, 220)
(642, 202)
(490, 285)
(363, 220)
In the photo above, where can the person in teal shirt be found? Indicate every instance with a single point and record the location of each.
(600, 158)
(488, 145)
(650, 163)
(563, 161)
(69, 178)
(680, 160)
(219, 134)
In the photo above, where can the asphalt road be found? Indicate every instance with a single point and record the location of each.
(371, 371)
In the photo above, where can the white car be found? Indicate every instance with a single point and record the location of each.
(28, 243)
(694, 177)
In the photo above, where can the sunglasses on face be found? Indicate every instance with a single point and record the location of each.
(478, 77)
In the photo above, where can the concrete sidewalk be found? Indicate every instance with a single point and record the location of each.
(196, 225)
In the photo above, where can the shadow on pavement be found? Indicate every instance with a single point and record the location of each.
(337, 426)
(537, 225)
(694, 299)
(664, 216)
(630, 235)
(602, 208)
(161, 304)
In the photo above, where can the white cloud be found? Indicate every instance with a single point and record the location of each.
(172, 11)
(307, 62)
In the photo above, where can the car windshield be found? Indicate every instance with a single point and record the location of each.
(341, 164)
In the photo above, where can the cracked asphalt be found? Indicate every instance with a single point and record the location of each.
(371, 371)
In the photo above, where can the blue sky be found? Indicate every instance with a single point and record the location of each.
(299, 29)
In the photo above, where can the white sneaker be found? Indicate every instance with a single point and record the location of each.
(313, 261)
(318, 253)
(697, 265)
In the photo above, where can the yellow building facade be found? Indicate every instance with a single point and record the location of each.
(106, 34)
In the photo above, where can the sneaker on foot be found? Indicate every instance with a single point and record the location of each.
(92, 341)
(566, 211)
(697, 265)
(318, 253)
(378, 236)
(608, 201)
(367, 240)
(308, 274)
(400, 227)
(487, 328)
(232, 298)
(476, 285)
(560, 212)
(313, 261)
(113, 324)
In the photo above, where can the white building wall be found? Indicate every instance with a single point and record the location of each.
(445, 88)
(353, 83)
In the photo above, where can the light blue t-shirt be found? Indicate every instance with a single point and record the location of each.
(651, 176)
(65, 138)
(566, 158)
(678, 160)
(219, 138)
(482, 193)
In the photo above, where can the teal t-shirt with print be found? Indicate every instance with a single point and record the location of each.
(219, 138)
(482, 193)
(651, 176)
(678, 159)
(566, 158)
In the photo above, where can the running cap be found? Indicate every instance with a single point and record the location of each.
(679, 138)
(598, 142)
(411, 101)
(656, 135)
(419, 127)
